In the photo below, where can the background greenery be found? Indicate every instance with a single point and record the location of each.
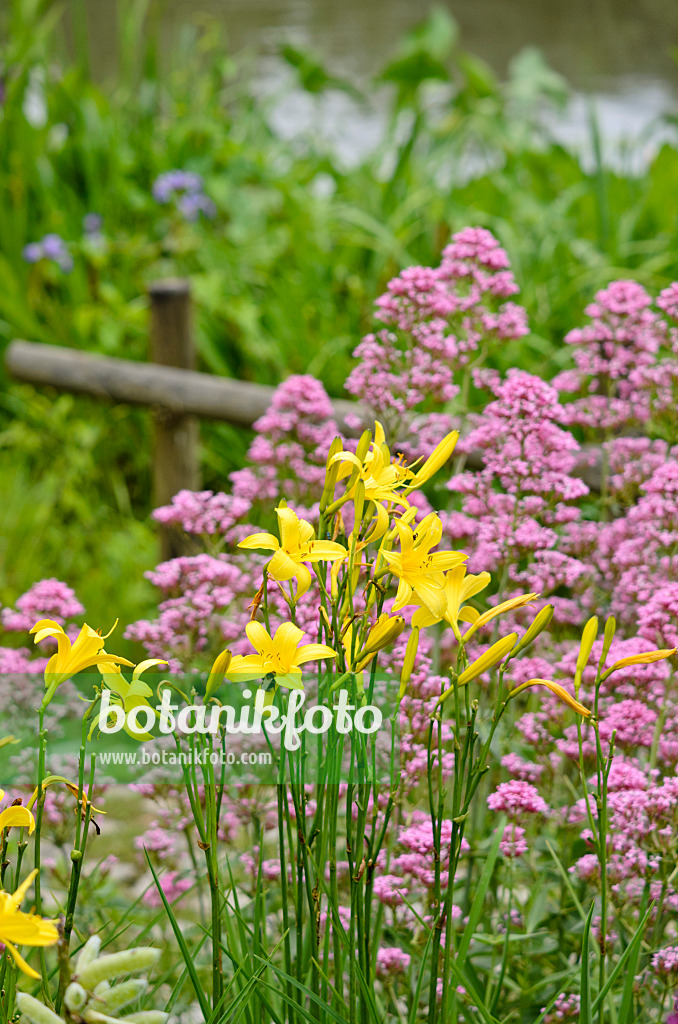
(285, 275)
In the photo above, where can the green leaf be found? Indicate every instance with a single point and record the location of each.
(481, 891)
(183, 946)
(629, 961)
(586, 1012)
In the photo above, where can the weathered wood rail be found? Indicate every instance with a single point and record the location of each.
(177, 394)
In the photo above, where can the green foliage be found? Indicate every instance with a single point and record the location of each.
(303, 241)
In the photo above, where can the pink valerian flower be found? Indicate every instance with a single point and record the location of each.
(203, 512)
(516, 798)
(392, 961)
(172, 886)
(528, 771)
(636, 556)
(513, 843)
(288, 454)
(435, 320)
(631, 463)
(390, 890)
(47, 599)
(665, 962)
(20, 661)
(517, 507)
(565, 1009)
(198, 589)
(623, 336)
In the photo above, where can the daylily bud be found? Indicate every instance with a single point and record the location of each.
(113, 999)
(107, 967)
(408, 661)
(435, 461)
(537, 626)
(386, 629)
(588, 636)
(556, 689)
(89, 952)
(75, 997)
(492, 656)
(648, 658)
(331, 473)
(217, 673)
(499, 609)
(608, 637)
(35, 1012)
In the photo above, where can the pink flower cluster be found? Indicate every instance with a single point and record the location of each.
(47, 599)
(436, 319)
(517, 508)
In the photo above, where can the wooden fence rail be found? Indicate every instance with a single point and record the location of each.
(177, 394)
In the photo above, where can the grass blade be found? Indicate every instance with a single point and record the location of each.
(183, 946)
(586, 1011)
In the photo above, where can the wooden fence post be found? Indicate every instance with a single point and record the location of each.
(176, 437)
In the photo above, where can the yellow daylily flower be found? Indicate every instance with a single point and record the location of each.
(556, 689)
(278, 657)
(460, 587)
(387, 479)
(420, 572)
(19, 929)
(647, 658)
(87, 651)
(16, 816)
(297, 545)
(72, 787)
(128, 695)
(381, 475)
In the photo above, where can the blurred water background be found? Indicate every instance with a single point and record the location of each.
(619, 56)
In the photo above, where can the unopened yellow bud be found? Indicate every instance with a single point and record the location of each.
(499, 609)
(556, 689)
(608, 637)
(435, 461)
(588, 637)
(331, 473)
(217, 673)
(491, 657)
(385, 631)
(537, 626)
(408, 661)
(648, 658)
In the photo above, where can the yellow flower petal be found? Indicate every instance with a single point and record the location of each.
(556, 689)
(260, 542)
